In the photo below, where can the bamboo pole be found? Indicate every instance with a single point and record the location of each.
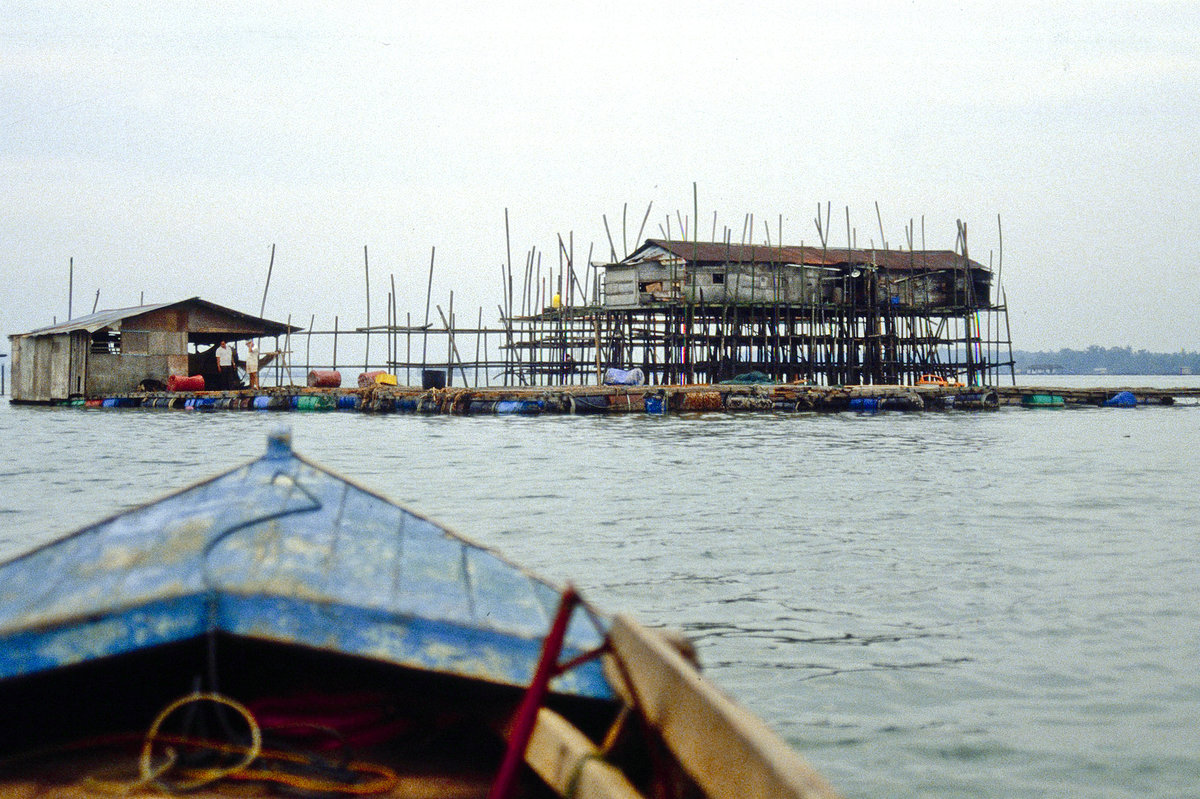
(599, 371)
(262, 309)
(367, 345)
(969, 302)
(453, 348)
(507, 309)
(527, 300)
(624, 230)
(425, 330)
(1012, 369)
(643, 225)
(395, 321)
(308, 345)
(478, 333)
(287, 351)
(879, 216)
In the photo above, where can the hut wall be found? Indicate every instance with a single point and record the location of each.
(750, 284)
(47, 368)
(153, 342)
(122, 373)
(176, 318)
(204, 320)
(654, 281)
(709, 284)
(945, 288)
(741, 283)
(806, 284)
(646, 282)
(912, 290)
(982, 289)
(620, 287)
(973, 289)
(146, 354)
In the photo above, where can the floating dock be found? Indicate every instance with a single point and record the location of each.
(1143, 395)
(529, 401)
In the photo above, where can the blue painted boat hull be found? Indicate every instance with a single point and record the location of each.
(282, 551)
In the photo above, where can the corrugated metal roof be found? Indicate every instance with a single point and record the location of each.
(111, 317)
(719, 252)
(99, 320)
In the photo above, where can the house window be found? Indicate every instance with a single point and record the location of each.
(718, 278)
(106, 342)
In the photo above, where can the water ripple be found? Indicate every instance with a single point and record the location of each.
(936, 605)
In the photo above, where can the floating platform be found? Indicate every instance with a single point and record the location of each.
(790, 397)
(1028, 395)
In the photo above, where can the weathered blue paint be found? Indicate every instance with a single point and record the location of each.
(522, 407)
(282, 550)
(865, 404)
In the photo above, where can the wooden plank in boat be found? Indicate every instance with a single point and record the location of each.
(560, 754)
(726, 750)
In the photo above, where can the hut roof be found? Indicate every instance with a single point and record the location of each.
(248, 326)
(714, 252)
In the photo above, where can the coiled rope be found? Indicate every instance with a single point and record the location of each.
(253, 763)
(208, 776)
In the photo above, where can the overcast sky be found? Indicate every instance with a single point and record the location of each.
(166, 146)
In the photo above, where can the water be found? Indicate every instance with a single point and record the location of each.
(998, 604)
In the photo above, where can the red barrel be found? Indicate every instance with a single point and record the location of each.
(181, 383)
(367, 379)
(324, 378)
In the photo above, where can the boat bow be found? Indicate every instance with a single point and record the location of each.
(283, 550)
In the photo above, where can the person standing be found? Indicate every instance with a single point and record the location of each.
(252, 364)
(224, 367)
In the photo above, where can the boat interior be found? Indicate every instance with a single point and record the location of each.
(225, 716)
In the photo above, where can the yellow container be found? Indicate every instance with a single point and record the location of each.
(385, 380)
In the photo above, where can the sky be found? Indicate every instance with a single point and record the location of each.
(164, 148)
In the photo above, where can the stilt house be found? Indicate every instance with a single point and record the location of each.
(662, 271)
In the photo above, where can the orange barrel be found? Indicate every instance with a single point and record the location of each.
(324, 378)
(368, 378)
(181, 383)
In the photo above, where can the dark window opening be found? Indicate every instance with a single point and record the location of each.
(106, 342)
(718, 278)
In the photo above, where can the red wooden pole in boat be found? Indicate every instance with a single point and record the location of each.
(526, 716)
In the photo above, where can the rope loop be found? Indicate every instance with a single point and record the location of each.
(149, 774)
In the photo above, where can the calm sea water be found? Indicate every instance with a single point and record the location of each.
(999, 604)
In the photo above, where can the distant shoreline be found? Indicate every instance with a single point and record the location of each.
(1101, 361)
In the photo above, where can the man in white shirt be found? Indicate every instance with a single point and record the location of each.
(224, 366)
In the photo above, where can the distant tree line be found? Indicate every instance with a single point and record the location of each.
(1114, 360)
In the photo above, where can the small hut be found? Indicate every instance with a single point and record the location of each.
(126, 349)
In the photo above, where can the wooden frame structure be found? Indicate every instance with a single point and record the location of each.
(701, 312)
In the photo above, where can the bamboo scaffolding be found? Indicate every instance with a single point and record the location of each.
(850, 322)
